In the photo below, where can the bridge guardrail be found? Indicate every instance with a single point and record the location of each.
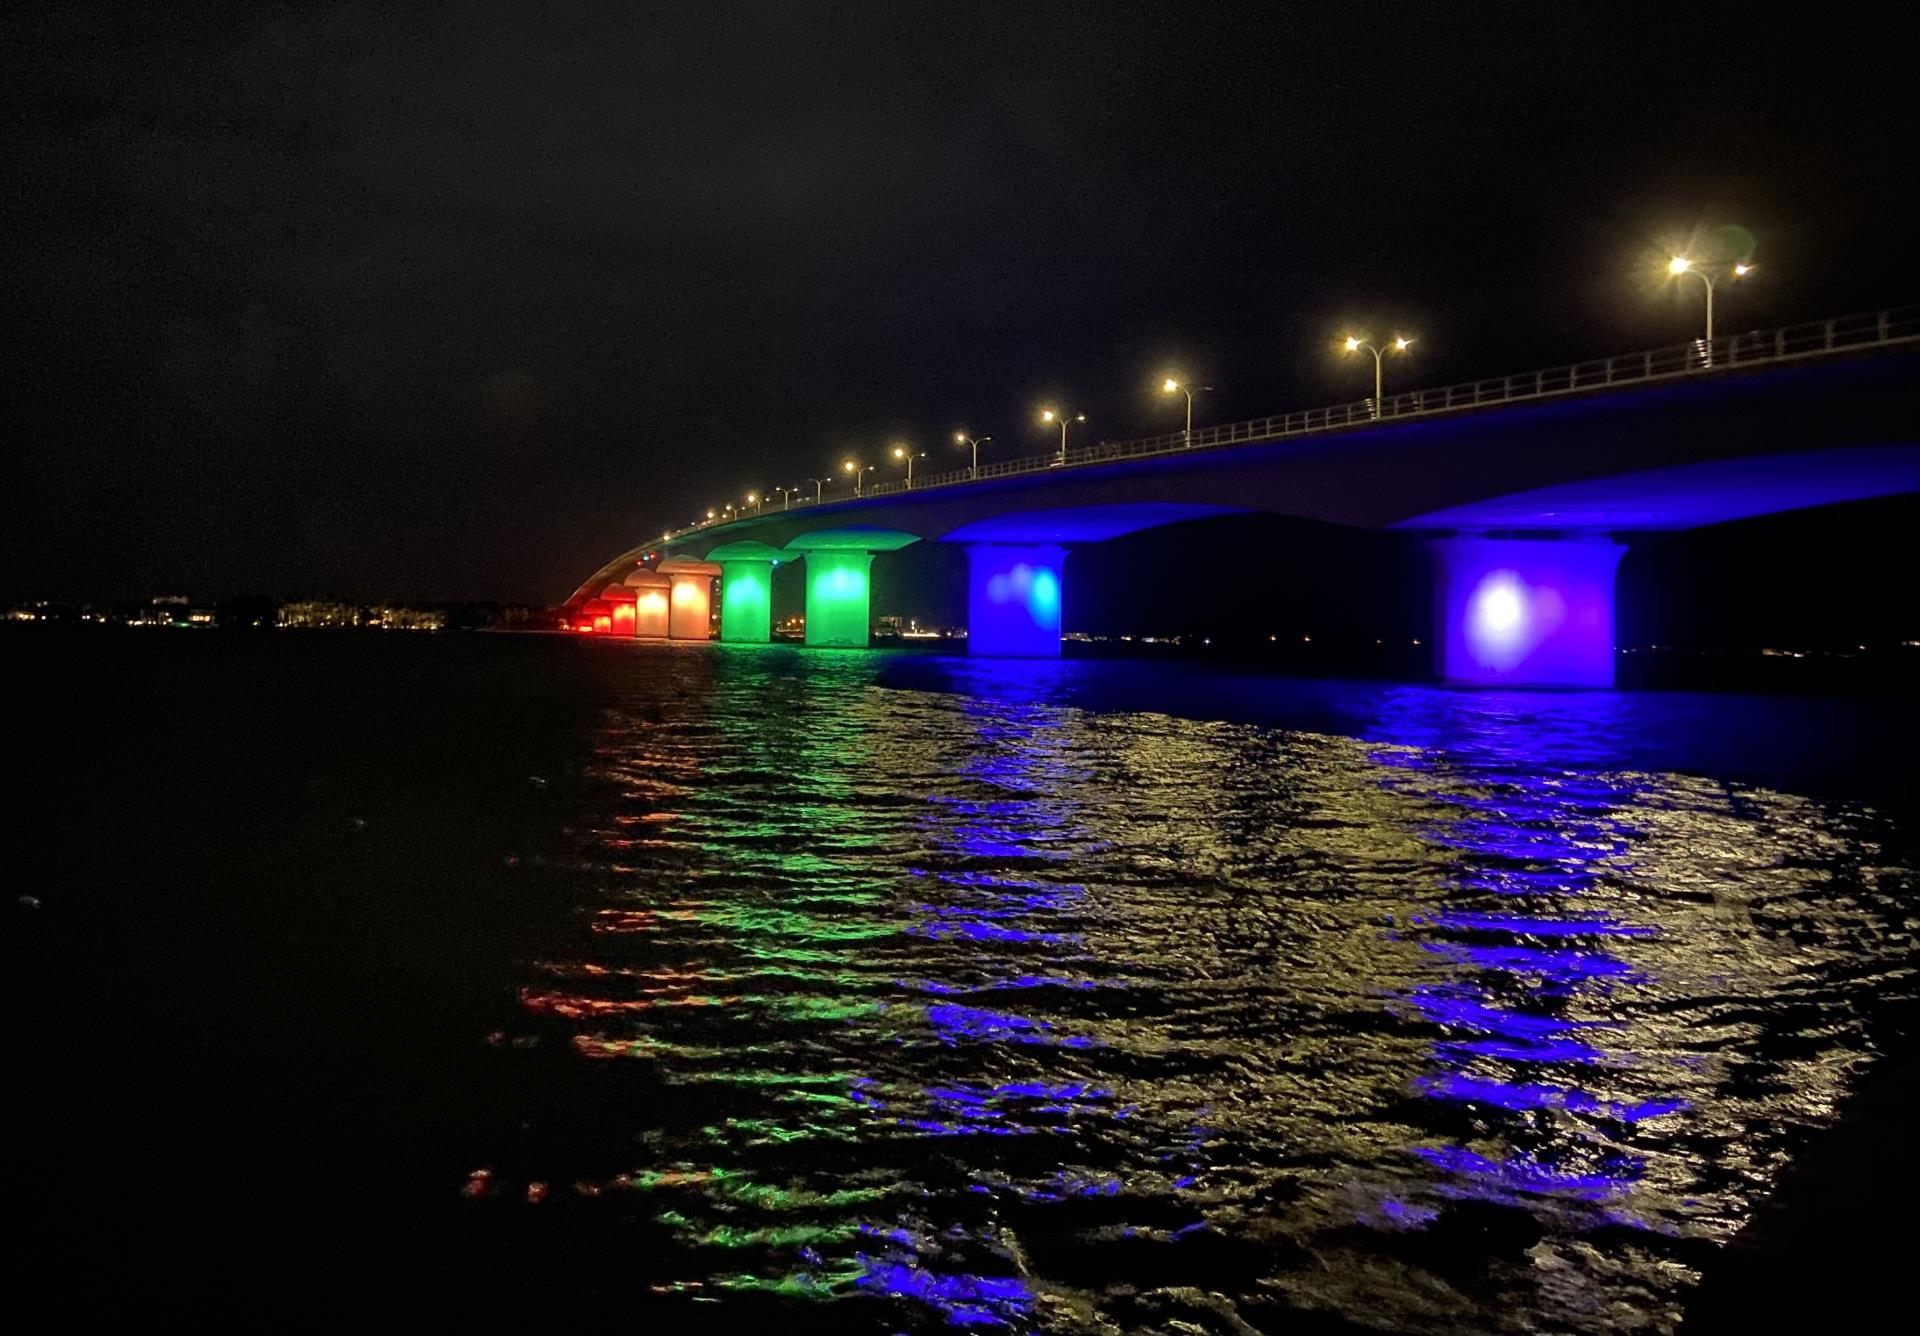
(1724, 353)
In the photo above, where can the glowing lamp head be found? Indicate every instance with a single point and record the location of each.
(1742, 269)
(1400, 345)
(709, 514)
(1047, 415)
(899, 452)
(959, 438)
(1169, 385)
(1679, 264)
(847, 467)
(1352, 344)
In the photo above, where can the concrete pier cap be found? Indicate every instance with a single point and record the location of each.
(839, 588)
(621, 607)
(746, 589)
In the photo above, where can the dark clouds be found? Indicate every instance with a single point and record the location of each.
(454, 300)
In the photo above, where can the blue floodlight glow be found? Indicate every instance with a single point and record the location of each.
(1525, 612)
(1013, 600)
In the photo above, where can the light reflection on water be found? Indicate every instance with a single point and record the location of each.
(971, 1008)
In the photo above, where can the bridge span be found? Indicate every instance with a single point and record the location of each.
(1527, 488)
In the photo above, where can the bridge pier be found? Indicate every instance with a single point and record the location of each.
(839, 592)
(839, 564)
(746, 591)
(690, 605)
(651, 593)
(746, 602)
(1535, 612)
(1013, 600)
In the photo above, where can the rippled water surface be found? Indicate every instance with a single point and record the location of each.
(906, 1009)
(749, 989)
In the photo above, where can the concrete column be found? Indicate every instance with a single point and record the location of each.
(1534, 612)
(620, 599)
(690, 611)
(746, 602)
(651, 593)
(690, 602)
(838, 592)
(1013, 600)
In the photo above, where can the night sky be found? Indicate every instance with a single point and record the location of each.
(458, 301)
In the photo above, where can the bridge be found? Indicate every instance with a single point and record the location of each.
(1527, 489)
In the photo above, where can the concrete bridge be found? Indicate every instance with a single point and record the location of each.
(1528, 487)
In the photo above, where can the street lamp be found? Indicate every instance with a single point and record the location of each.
(753, 499)
(859, 473)
(786, 495)
(1355, 344)
(709, 517)
(1053, 415)
(1680, 264)
(819, 487)
(961, 438)
(908, 453)
(1170, 385)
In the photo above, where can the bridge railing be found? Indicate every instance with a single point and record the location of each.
(1725, 352)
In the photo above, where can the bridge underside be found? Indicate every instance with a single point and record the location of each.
(1689, 496)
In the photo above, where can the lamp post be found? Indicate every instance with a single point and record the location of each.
(961, 438)
(753, 499)
(819, 487)
(1680, 264)
(859, 473)
(1355, 344)
(908, 453)
(1170, 385)
(1054, 415)
(786, 495)
(709, 516)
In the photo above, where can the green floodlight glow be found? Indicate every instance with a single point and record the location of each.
(746, 602)
(837, 598)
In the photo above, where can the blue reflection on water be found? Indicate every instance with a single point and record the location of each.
(1528, 980)
(1011, 918)
(965, 1300)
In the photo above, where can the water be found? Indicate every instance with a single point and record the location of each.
(867, 993)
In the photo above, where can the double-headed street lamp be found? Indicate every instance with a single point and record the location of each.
(1055, 415)
(1355, 344)
(859, 472)
(908, 453)
(1170, 385)
(961, 438)
(819, 487)
(1680, 264)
